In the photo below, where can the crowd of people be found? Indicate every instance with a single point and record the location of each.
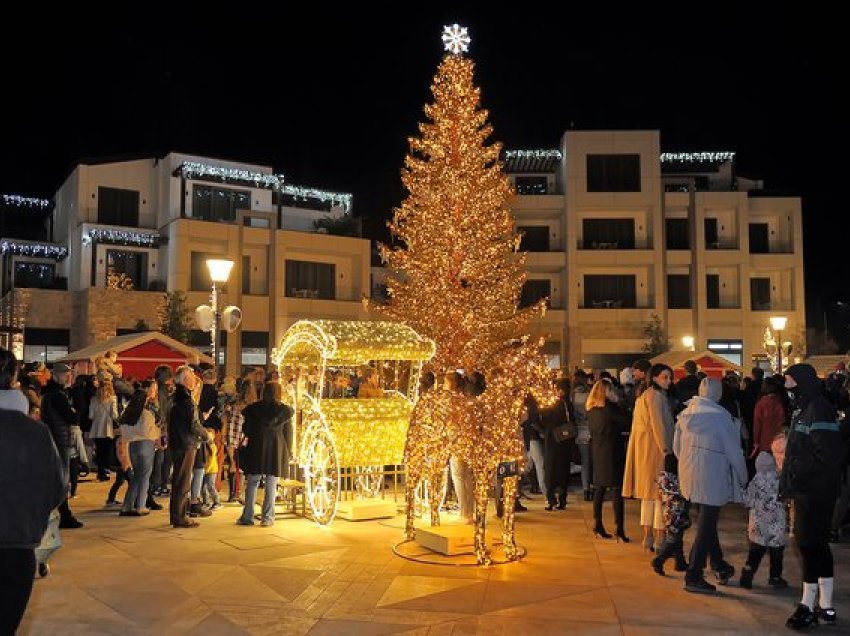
(686, 449)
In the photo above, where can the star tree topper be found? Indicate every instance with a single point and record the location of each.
(456, 39)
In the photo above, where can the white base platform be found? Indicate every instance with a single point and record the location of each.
(365, 509)
(450, 540)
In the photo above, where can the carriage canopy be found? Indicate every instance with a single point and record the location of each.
(350, 342)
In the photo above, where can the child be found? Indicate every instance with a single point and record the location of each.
(676, 517)
(210, 473)
(766, 528)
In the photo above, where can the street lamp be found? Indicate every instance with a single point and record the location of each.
(688, 343)
(219, 273)
(778, 323)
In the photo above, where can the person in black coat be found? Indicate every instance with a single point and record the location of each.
(688, 386)
(267, 429)
(558, 454)
(608, 425)
(811, 477)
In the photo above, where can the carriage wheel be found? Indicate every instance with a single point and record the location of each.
(321, 475)
(421, 495)
(370, 481)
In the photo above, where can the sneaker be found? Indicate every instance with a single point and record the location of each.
(152, 505)
(111, 503)
(826, 615)
(724, 574)
(681, 566)
(657, 566)
(802, 618)
(777, 583)
(215, 506)
(700, 587)
(187, 523)
(746, 581)
(242, 522)
(265, 523)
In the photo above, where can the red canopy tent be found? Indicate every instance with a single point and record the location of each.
(708, 362)
(138, 353)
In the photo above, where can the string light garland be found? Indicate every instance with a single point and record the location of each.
(534, 154)
(456, 277)
(122, 237)
(696, 157)
(34, 249)
(334, 198)
(18, 201)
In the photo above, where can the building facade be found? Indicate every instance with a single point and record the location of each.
(96, 260)
(618, 232)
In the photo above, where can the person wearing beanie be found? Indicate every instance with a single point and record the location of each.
(712, 472)
(811, 477)
(766, 527)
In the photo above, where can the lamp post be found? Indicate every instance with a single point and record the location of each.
(778, 323)
(219, 273)
(688, 343)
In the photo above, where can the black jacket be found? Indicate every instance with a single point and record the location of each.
(31, 480)
(814, 449)
(57, 413)
(608, 444)
(81, 396)
(267, 428)
(557, 455)
(184, 429)
(209, 402)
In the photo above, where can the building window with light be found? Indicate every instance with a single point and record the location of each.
(45, 345)
(210, 203)
(531, 185)
(731, 350)
(307, 279)
(126, 267)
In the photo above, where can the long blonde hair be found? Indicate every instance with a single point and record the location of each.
(598, 394)
(105, 391)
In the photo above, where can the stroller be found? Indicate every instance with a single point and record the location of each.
(50, 542)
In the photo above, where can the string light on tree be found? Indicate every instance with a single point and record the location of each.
(456, 39)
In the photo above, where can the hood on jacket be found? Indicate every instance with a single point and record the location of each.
(711, 389)
(699, 405)
(765, 463)
(808, 383)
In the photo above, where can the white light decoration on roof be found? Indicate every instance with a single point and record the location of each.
(456, 39)
(534, 154)
(196, 170)
(696, 157)
(26, 202)
(33, 248)
(335, 198)
(122, 237)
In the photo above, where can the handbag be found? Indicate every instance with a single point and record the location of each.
(565, 432)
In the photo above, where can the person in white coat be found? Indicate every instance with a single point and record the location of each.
(712, 472)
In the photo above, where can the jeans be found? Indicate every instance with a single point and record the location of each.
(811, 531)
(181, 480)
(209, 489)
(706, 544)
(17, 571)
(141, 456)
(65, 458)
(586, 466)
(252, 482)
(535, 462)
(197, 484)
(757, 552)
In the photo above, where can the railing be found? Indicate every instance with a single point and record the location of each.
(344, 294)
(721, 244)
(639, 244)
(614, 303)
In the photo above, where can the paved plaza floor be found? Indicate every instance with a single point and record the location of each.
(125, 575)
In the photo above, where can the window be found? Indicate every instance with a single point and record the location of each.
(535, 238)
(117, 207)
(255, 347)
(712, 285)
(306, 279)
(45, 345)
(533, 291)
(133, 265)
(760, 293)
(218, 204)
(246, 275)
(531, 185)
(613, 173)
(678, 291)
(609, 291)
(38, 275)
(678, 234)
(759, 241)
(616, 234)
(712, 238)
(732, 350)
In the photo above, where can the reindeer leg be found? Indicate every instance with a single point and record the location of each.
(482, 554)
(509, 488)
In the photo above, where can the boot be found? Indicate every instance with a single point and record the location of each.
(231, 484)
(197, 510)
(746, 581)
(588, 494)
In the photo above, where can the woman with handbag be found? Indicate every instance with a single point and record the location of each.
(560, 438)
(650, 440)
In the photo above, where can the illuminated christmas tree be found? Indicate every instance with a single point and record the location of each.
(456, 276)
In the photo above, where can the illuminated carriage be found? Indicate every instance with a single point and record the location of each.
(341, 440)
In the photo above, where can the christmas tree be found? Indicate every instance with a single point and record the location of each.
(456, 272)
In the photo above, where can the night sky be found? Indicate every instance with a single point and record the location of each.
(329, 98)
